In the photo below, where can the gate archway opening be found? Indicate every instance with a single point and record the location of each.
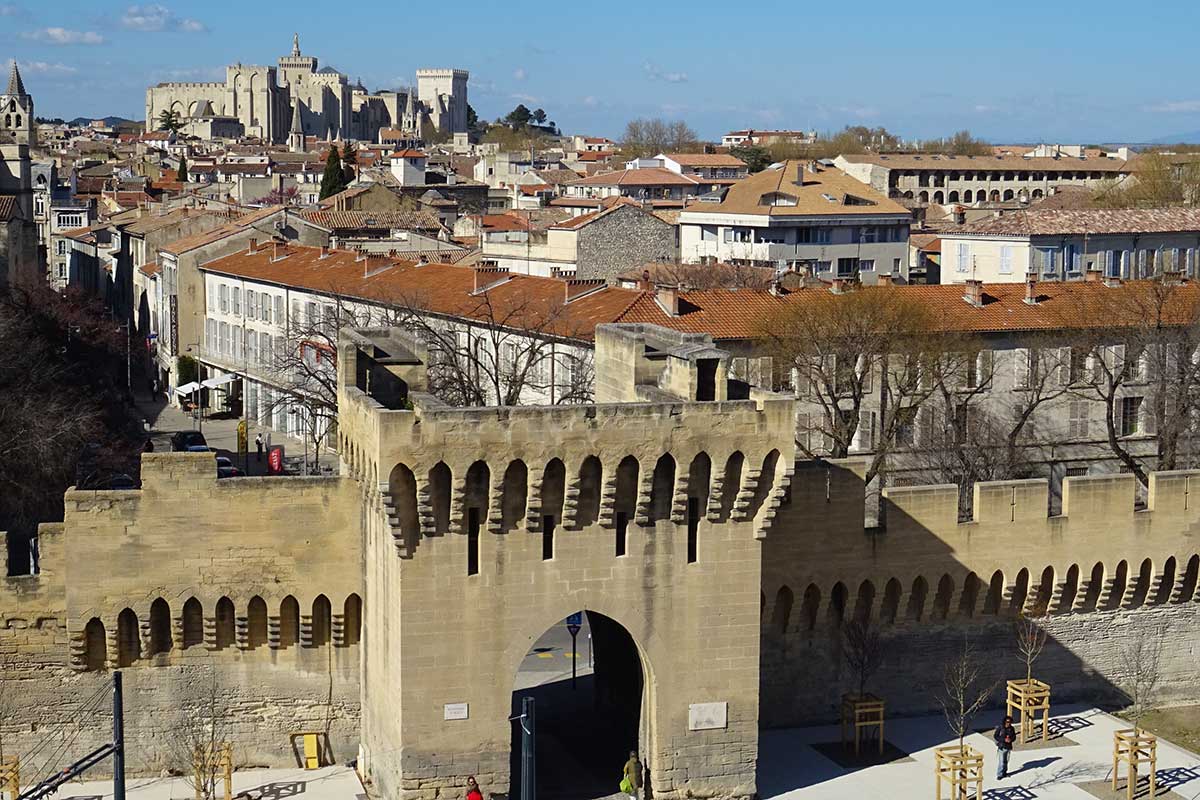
(585, 729)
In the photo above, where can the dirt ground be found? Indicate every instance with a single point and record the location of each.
(1179, 725)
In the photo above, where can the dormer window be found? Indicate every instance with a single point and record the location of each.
(777, 199)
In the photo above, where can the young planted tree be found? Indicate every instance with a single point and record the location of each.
(862, 651)
(183, 169)
(333, 180)
(200, 737)
(1140, 659)
(965, 691)
(1030, 639)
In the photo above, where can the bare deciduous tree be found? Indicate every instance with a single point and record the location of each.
(965, 691)
(1030, 640)
(199, 738)
(1143, 368)
(649, 137)
(862, 651)
(1140, 659)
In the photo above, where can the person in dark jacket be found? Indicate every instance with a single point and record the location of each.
(1005, 736)
(632, 775)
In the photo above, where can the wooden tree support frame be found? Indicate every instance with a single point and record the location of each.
(208, 760)
(1028, 704)
(861, 714)
(10, 776)
(961, 770)
(1134, 748)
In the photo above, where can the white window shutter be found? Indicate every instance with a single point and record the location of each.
(1021, 374)
(1064, 366)
(983, 366)
(1117, 353)
(766, 372)
(865, 369)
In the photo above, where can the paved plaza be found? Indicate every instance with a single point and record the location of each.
(791, 766)
(327, 783)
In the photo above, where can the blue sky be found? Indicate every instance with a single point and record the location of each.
(1053, 70)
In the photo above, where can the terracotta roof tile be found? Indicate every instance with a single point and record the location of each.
(651, 176)
(419, 219)
(1059, 221)
(792, 189)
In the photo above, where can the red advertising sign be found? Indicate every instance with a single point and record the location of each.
(275, 460)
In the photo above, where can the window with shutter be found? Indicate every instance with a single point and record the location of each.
(964, 256)
(801, 381)
(278, 310)
(1079, 419)
(1131, 416)
(224, 291)
(865, 435)
(803, 431)
(1006, 253)
(1022, 375)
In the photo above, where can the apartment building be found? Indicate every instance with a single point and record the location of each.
(1059, 244)
(805, 217)
(943, 179)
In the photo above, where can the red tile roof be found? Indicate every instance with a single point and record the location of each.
(652, 176)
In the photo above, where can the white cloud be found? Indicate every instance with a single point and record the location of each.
(656, 74)
(11, 10)
(1176, 107)
(46, 68)
(519, 74)
(589, 101)
(63, 36)
(192, 74)
(525, 98)
(153, 18)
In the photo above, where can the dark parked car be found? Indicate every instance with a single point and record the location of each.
(186, 440)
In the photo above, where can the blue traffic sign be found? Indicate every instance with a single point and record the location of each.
(575, 619)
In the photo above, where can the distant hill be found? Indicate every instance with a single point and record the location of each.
(1179, 138)
(109, 121)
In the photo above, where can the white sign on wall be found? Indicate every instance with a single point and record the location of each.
(454, 711)
(707, 716)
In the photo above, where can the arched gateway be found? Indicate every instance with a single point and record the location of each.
(459, 593)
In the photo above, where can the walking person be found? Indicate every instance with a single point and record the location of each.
(1005, 736)
(258, 445)
(473, 792)
(631, 778)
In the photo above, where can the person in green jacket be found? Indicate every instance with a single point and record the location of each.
(632, 776)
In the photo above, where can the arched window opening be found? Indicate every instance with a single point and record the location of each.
(766, 482)
(591, 479)
(731, 483)
(1069, 592)
(941, 600)
(1166, 583)
(864, 602)
(1020, 592)
(1045, 591)
(402, 485)
(1141, 589)
(95, 645)
(553, 486)
(625, 501)
(662, 488)
(225, 623)
(970, 596)
(193, 623)
(289, 622)
(808, 609)
(256, 623)
(1190, 576)
(1116, 590)
(916, 600)
(160, 627)
(516, 493)
(439, 497)
(837, 605)
(891, 602)
(129, 643)
(783, 610)
(352, 617)
(475, 508)
(1095, 589)
(699, 476)
(321, 621)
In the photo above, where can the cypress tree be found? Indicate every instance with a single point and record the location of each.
(333, 180)
(183, 171)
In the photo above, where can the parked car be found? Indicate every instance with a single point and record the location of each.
(199, 448)
(229, 472)
(183, 441)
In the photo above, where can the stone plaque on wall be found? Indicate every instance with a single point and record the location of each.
(707, 716)
(454, 711)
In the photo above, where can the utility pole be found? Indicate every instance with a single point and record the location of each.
(528, 753)
(118, 738)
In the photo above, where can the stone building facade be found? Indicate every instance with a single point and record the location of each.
(732, 571)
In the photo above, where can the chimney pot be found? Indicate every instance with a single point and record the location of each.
(324, 251)
(885, 279)
(253, 246)
(668, 298)
(1093, 276)
(974, 292)
(1031, 295)
(274, 251)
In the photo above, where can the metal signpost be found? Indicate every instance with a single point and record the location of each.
(528, 720)
(574, 623)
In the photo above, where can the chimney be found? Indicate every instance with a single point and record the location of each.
(667, 296)
(884, 280)
(840, 286)
(1031, 294)
(645, 280)
(1171, 277)
(1093, 276)
(253, 246)
(960, 215)
(275, 254)
(973, 293)
(1112, 282)
(186, 211)
(324, 251)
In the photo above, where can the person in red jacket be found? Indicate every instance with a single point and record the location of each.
(473, 792)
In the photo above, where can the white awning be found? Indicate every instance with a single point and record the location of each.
(187, 388)
(220, 380)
